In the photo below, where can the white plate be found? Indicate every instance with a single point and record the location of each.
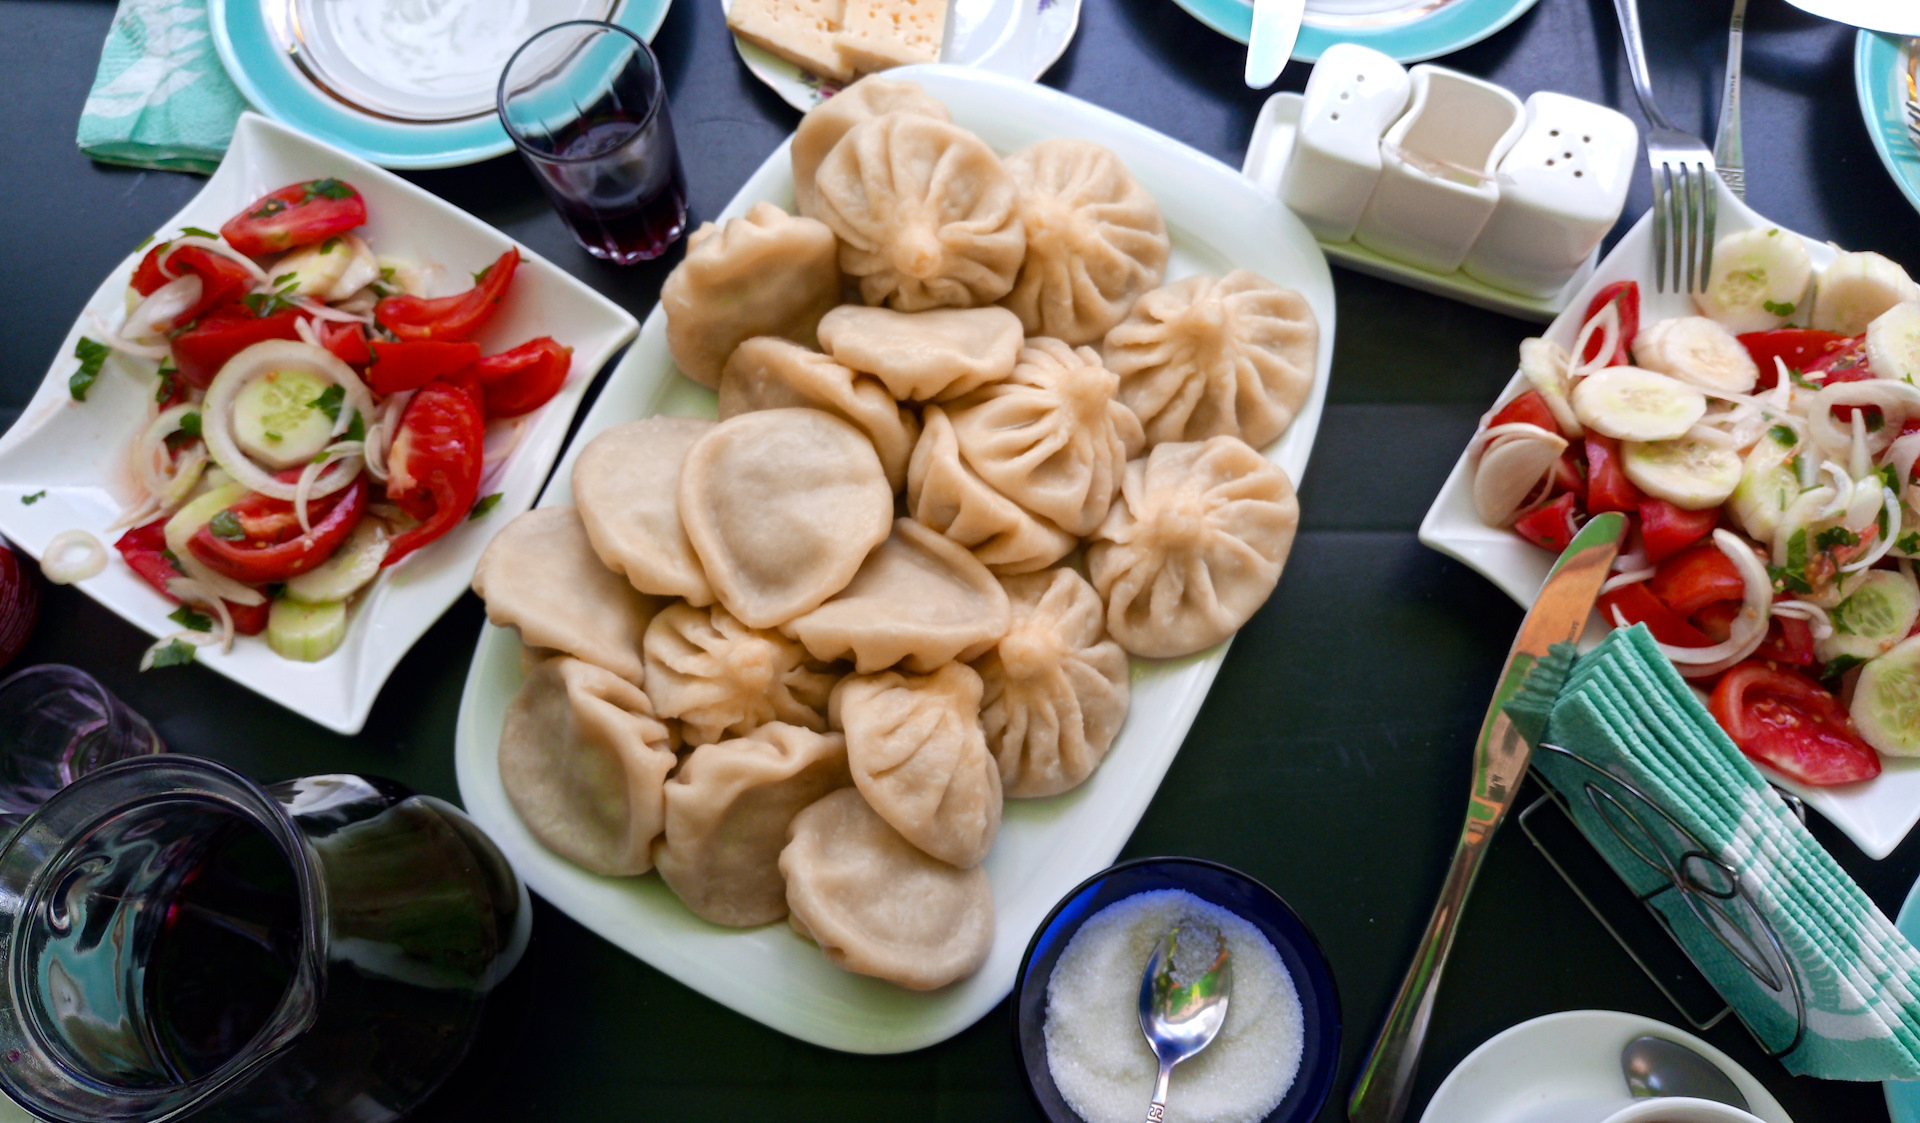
(1046, 847)
(1267, 154)
(77, 451)
(1875, 814)
(1565, 1068)
(1018, 38)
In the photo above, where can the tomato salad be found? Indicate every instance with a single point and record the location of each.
(1764, 453)
(316, 417)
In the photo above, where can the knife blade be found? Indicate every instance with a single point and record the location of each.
(1276, 24)
(1559, 614)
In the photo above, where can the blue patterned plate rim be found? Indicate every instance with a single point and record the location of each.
(1458, 24)
(1878, 80)
(1903, 1097)
(272, 84)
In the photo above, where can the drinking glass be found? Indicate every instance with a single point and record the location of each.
(57, 724)
(584, 103)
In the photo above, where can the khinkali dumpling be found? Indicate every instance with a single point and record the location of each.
(1095, 240)
(1051, 437)
(925, 212)
(1205, 357)
(769, 373)
(876, 905)
(720, 677)
(626, 483)
(918, 755)
(945, 494)
(728, 810)
(920, 600)
(1055, 687)
(583, 759)
(827, 122)
(924, 356)
(765, 273)
(782, 506)
(1193, 546)
(540, 575)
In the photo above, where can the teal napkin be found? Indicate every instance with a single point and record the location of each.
(161, 98)
(1625, 710)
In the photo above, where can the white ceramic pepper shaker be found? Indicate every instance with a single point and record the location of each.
(1354, 96)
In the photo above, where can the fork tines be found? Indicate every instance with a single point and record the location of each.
(1683, 223)
(1913, 122)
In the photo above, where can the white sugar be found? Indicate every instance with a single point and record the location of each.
(1098, 1056)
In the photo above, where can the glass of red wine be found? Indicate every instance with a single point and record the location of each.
(584, 103)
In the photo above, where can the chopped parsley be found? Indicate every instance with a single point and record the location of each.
(1872, 419)
(483, 505)
(1792, 577)
(481, 276)
(189, 619)
(190, 424)
(284, 278)
(329, 188)
(273, 436)
(1783, 435)
(167, 385)
(1839, 665)
(330, 244)
(226, 527)
(1800, 379)
(144, 243)
(269, 208)
(92, 356)
(264, 304)
(173, 560)
(1889, 478)
(196, 232)
(1908, 543)
(30, 500)
(175, 654)
(384, 286)
(1775, 308)
(356, 429)
(1835, 536)
(329, 401)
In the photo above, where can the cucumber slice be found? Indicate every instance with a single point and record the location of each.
(1760, 277)
(1637, 405)
(195, 514)
(306, 633)
(276, 422)
(351, 567)
(1690, 474)
(1874, 617)
(1886, 700)
(1768, 486)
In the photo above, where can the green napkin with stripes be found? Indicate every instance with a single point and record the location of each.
(1625, 711)
(161, 99)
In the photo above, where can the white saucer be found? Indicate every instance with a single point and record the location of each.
(1565, 1068)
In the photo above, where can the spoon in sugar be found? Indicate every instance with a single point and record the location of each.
(1183, 999)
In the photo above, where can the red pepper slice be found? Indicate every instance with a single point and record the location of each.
(272, 547)
(433, 467)
(204, 348)
(1639, 606)
(449, 317)
(298, 214)
(1695, 578)
(1667, 529)
(1550, 527)
(1608, 488)
(222, 279)
(348, 342)
(525, 378)
(412, 363)
(1626, 296)
(1799, 348)
(1792, 724)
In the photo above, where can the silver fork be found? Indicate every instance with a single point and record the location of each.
(1727, 155)
(1682, 170)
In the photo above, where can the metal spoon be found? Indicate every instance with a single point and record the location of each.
(1655, 1066)
(1183, 999)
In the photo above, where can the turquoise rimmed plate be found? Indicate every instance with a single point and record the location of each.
(1880, 77)
(245, 36)
(1409, 30)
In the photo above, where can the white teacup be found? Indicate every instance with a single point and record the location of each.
(1677, 1109)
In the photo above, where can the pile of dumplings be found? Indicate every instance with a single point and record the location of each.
(971, 454)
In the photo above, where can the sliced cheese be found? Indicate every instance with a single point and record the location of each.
(877, 34)
(801, 31)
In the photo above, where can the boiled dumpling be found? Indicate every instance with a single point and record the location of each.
(721, 678)
(918, 755)
(924, 356)
(1051, 437)
(728, 809)
(782, 506)
(765, 273)
(876, 905)
(827, 122)
(1055, 688)
(1095, 240)
(1193, 546)
(768, 373)
(583, 761)
(925, 212)
(945, 494)
(920, 600)
(1230, 356)
(540, 575)
(625, 483)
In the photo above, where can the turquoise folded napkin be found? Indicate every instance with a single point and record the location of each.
(161, 98)
(1624, 710)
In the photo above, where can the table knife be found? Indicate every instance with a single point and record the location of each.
(1276, 24)
(1559, 615)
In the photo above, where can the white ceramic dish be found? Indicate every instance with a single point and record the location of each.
(1045, 847)
(76, 451)
(1267, 153)
(1017, 38)
(1875, 814)
(1565, 1068)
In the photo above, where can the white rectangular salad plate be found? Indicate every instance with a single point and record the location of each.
(1217, 222)
(76, 452)
(1875, 814)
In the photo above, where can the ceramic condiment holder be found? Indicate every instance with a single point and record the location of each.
(1355, 96)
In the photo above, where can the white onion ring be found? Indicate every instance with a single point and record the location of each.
(62, 568)
(153, 316)
(1485, 438)
(303, 327)
(1900, 456)
(1881, 547)
(320, 311)
(1630, 577)
(191, 591)
(1842, 490)
(257, 361)
(1749, 627)
(1607, 324)
(120, 343)
(1808, 611)
(1896, 401)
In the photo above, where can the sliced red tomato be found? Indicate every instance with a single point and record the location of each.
(1550, 527)
(412, 363)
(1695, 578)
(249, 619)
(1639, 606)
(348, 342)
(1789, 640)
(1570, 476)
(298, 214)
(1529, 409)
(1798, 348)
(1625, 296)
(1667, 529)
(271, 546)
(525, 378)
(222, 279)
(1845, 361)
(145, 549)
(1608, 488)
(433, 467)
(449, 317)
(204, 348)
(1792, 724)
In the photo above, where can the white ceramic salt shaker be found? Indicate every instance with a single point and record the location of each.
(1437, 185)
(1562, 186)
(1355, 94)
